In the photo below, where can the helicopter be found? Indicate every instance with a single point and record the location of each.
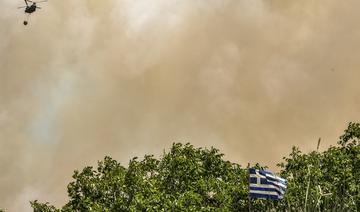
(30, 8)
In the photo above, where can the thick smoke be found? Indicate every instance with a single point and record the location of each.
(124, 78)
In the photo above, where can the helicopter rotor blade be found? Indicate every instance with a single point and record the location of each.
(38, 1)
(26, 2)
(38, 7)
(22, 7)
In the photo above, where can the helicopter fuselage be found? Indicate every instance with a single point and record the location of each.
(30, 9)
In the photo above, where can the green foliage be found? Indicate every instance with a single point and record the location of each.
(351, 137)
(185, 178)
(43, 207)
(195, 179)
(334, 172)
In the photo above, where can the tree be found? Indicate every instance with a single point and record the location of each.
(195, 179)
(43, 207)
(334, 172)
(185, 178)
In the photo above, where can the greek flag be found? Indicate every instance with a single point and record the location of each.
(266, 185)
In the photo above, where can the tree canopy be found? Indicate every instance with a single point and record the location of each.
(195, 179)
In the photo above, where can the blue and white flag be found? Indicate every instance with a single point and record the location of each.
(265, 184)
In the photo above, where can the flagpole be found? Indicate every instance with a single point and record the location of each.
(249, 204)
(248, 167)
(307, 189)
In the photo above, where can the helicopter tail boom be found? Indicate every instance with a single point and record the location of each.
(36, 1)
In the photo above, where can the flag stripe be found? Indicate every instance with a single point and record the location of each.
(258, 175)
(277, 184)
(264, 181)
(265, 196)
(263, 192)
(275, 178)
(265, 188)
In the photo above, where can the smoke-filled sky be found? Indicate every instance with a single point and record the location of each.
(124, 78)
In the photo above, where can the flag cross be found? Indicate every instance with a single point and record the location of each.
(265, 184)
